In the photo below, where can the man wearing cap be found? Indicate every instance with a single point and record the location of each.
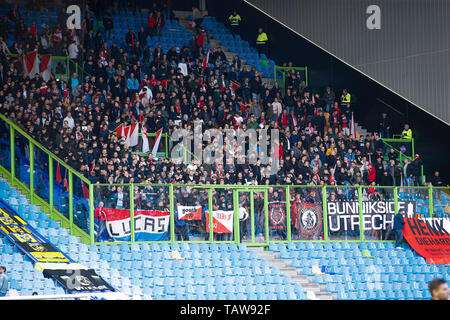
(399, 224)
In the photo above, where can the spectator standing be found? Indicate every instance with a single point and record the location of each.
(235, 21)
(399, 225)
(329, 98)
(345, 98)
(417, 170)
(407, 132)
(4, 285)
(385, 126)
(261, 41)
(108, 24)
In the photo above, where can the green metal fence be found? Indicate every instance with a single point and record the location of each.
(275, 213)
(279, 74)
(407, 153)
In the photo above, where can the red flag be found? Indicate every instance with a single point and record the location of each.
(85, 191)
(92, 166)
(58, 173)
(66, 184)
(205, 61)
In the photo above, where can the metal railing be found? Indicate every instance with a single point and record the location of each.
(392, 143)
(279, 75)
(275, 213)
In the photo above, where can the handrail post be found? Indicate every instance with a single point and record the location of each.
(266, 214)
(252, 216)
(210, 209)
(167, 145)
(91, 213)
(325, 213)
(288, 213)
(70, 200)
(395, 200)
(430, 202)
(361, 216)
(13, 153)
(237, 231)
(172, 213)
(131, 186)
(50, 182)
(31, 170)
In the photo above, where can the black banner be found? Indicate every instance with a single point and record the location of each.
(307, 220)
(79, 280)
(277, 216)
(377, 215)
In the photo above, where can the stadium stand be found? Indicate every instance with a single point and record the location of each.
(148, 270)
(182, 270)
(388, 273)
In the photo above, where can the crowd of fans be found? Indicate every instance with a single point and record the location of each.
(76, 118)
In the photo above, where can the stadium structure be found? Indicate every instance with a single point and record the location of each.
(108, 189)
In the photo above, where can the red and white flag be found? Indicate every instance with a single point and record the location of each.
(46, 67)
(353, 128)
(30, 63)
(145, 145)
(157, 142)
(147, 93)
(234, 86)
(132, 135)
(206, 61)
(189, 212)
(222, 221)
(92, 166)
(120, 131)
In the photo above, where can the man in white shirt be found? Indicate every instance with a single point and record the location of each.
(70, 121)
(183, 66)
(73, 50)
(277, 109)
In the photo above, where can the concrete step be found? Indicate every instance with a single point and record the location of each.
(314, 291)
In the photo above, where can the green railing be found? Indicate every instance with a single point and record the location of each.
(391, 143)
(279, 74)
(263, 203)
(60, 65)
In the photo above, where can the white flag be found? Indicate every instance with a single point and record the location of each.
(145, 146)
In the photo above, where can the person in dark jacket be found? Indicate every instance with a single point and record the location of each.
(399, 225)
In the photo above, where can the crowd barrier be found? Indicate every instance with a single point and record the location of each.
(251, 214)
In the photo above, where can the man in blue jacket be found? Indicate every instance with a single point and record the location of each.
(3, 281)
(399, 224)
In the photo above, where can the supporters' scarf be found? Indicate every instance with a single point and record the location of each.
(294, 120)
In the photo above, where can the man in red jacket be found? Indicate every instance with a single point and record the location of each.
(372, 174)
